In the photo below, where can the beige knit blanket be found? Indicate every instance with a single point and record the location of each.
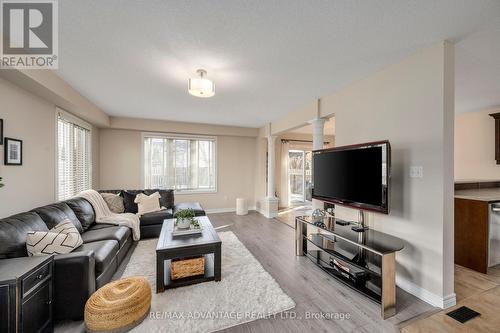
(104, 215)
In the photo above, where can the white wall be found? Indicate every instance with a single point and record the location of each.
(28, 100)
(121, 168)
(412, 105)
(31, 119)
(475, 146)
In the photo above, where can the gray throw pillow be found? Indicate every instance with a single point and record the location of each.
(114, 202)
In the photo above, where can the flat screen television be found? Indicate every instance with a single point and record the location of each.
(357, 176)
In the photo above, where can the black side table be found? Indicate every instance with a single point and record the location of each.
(26, 294)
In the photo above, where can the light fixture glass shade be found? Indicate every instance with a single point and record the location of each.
(201, 87)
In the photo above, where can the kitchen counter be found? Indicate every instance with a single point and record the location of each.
(477, 225)
(485, 194)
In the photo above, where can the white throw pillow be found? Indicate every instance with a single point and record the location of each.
(147, 203)
(114, 202)
(61, 239)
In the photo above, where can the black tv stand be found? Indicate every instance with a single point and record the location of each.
(369, 255)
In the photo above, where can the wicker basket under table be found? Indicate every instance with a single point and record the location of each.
(186, 267)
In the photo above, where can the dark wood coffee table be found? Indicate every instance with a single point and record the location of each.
(169, 247)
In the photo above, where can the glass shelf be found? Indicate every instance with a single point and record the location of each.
(363, 261)
(369, 289)
(371, 240)
(347, 253)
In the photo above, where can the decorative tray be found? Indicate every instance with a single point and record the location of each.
(192, 230)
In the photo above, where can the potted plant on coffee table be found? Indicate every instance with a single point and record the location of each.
(185, 218)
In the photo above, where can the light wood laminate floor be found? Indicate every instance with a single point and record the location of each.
(273, 244)
(480, 292)
(287, 215)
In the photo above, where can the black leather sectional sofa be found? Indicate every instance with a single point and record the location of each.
(79, 273)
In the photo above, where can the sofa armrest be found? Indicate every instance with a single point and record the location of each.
(74, 282)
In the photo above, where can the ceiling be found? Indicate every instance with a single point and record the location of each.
(267, 57)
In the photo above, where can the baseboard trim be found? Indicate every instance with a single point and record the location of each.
(449, 301)
(224, 210)
(425, 295)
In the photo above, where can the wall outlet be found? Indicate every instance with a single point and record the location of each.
(416, 172)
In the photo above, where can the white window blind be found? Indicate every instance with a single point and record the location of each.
(180, 163)
(73, 157)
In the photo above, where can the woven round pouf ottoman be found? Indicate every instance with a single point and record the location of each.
(118, 306)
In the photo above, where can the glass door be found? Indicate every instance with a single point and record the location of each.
(300, 177)
(308, 176)
(296, 175)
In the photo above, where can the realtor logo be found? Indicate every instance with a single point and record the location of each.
(30, 34)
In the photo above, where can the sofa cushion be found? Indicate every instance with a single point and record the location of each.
(129, 201)
(13, 232)
(117, 233)
(195, 206)
(104, 252)
(156, 217)
(83, 211)
(55, 213)
(98, 226)
(166, 199)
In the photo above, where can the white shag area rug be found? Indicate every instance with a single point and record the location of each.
(246, 293)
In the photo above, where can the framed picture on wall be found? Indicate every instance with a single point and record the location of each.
(13, 152)
(1, 132)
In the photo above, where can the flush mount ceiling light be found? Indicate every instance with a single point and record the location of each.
(201, 87)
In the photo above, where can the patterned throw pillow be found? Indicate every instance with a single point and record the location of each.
(114, 202)
(147, 203)
(61, 239)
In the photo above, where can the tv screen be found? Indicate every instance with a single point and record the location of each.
(356, 176)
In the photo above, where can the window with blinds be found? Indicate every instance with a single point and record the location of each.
(180, 163)
(73, 157)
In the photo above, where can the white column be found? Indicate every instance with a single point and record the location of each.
(271, 166)
(318, 126)
(271, 202)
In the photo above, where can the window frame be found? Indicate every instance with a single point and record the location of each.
(79, 122)
(182, 136)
